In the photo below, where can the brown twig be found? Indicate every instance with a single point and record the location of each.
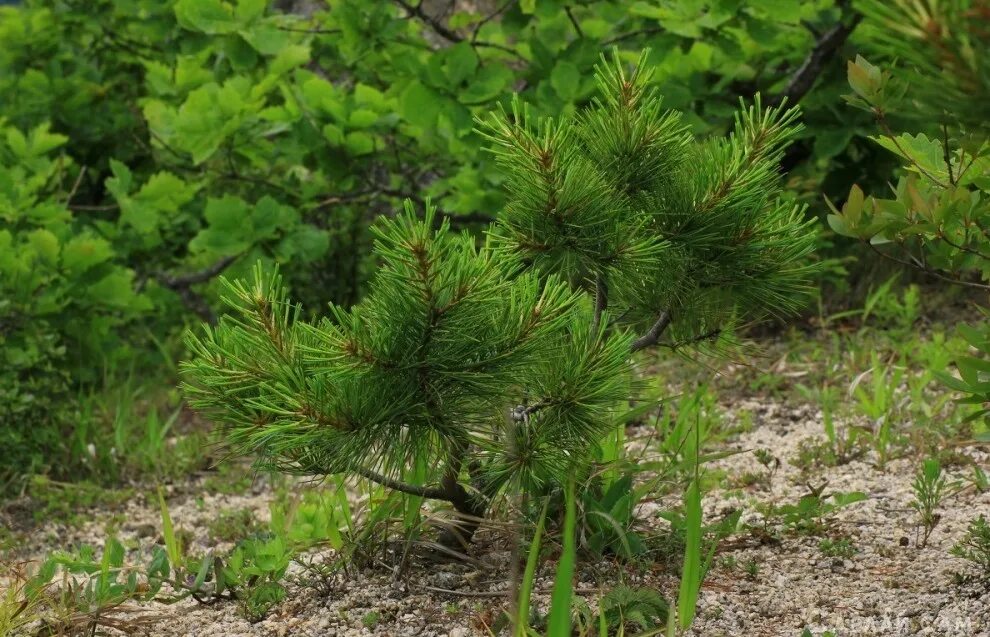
(827, 44)
(433, 493)
(448, 34)
(182, 285)
(653, 335)
(574, 22)
(601, 301)
(632, 34)
(914, 263)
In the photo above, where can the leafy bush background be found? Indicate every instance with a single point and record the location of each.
(148, 145)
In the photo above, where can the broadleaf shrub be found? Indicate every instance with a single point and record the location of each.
(199, 137)
(64, 298)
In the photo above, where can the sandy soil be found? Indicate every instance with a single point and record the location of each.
(890, 586)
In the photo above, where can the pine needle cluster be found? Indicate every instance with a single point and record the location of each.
(425, 371)
(498, 366)
(622, 199)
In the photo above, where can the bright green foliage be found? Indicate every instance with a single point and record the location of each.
(642, 608)
(424, 367)
(930, 487)
(63, 299)
(975, 545)
(941, 48)
(203, 135)
(621, 194)
(973, 371)
(213, 99)
(608, 518)
(453, 338)
(939, 212)
(937, 219)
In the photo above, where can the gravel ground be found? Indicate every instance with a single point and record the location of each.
(890, 586)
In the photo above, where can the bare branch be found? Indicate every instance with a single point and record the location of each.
(824, 50)
(437, 26)
(601, 300)
(653, 335)
(574, 22)
(450, 35)
(523, 412)
(710, 335)
(75, 186)
(200, 276)
(433, 493)
(920, 266)
(488, 18)
(632, 34)
(182, 285)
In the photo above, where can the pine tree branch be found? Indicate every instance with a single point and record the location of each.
(710, 335)
(826, 46)
(601, 300)
(433, 493)
(523, 412)
(653, 335)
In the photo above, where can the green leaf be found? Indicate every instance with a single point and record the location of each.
(172, 547)
(420, 105)
(17, 143)
(230, 230)
(362, 118)
(925, 156)
(45, 245)
(201, 124)
(369, 97)
(333, 134)
(789, 11)
(864, 78)
(565, 79)
(270, 216)
(250, 10)
(829, 143)
(307, 243)
(462, 62)
(42, 141)
(84, 251)
(529, 574)
(487, 84)
(289, 58)
(207, 16)
(266, 39)
(161, 196)
(691, 572)
(359, 143)
(116, 290)
(120, 184)
(113, 554)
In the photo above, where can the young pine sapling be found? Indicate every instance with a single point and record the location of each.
(497, 366)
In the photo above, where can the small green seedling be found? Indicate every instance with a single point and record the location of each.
(930, 487)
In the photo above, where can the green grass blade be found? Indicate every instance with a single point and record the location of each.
(529, 574)
(559, 624)
(172, 547)
(691, 574)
